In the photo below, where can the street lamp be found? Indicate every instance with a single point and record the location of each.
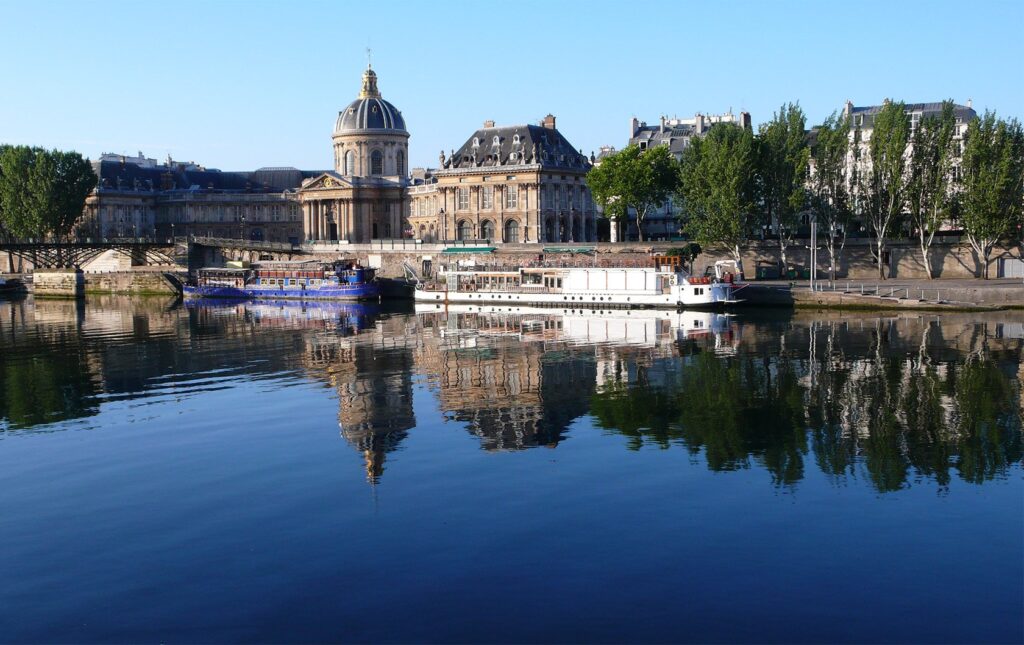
(241, 232)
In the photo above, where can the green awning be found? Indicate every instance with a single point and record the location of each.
(569, 249)
(469, 249)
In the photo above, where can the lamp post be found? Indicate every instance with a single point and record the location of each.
(241, 230)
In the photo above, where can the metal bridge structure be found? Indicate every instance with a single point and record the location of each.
(75, 253)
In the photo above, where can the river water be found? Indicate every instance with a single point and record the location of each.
(268, 472)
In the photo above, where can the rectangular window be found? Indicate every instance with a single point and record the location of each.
(512, 197)
(463, 204)
(488, 198)
(561, 198)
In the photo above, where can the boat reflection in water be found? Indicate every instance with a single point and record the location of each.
(351, 315)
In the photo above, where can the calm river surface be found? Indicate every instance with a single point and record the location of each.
(244, 472)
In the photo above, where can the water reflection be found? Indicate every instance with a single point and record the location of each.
(892, 399)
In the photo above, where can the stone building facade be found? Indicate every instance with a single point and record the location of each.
(511, 184)
(136, 197)
(363, 198)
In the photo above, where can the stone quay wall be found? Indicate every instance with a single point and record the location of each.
(147, 281)
(58, 283)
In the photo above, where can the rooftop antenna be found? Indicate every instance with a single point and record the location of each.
(369, 58)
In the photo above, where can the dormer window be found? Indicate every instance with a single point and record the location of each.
(497, 140)
(515, 139)
(476, 142)
(512, 156)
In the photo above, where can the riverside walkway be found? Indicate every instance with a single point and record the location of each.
(960, 294)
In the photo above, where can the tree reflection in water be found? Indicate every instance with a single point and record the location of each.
(887, 415)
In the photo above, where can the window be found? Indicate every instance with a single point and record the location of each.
(400, 163)
(350, 163)
(496, 141)
(515, 139)
(463, 199)
(377, 163)
(512, 231)
(476, 142)
(487, 230)
(562, 198)
(488, 198)
(512, 196)
(465, 231)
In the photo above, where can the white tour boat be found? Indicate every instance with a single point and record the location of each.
(663, 286)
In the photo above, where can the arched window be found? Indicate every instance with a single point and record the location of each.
(512, 231)
(376, 162)
(487, 230)
(465, 231)
(350, 163)
(400, 162)
(496, 140)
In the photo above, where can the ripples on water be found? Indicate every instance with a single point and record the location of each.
(232, 405)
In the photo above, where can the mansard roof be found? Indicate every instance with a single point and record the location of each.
(114, 175)
(517, 145)
(961, 112)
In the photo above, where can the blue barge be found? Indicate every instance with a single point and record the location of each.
(287, 281)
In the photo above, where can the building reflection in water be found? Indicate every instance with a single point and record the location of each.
(894, 399)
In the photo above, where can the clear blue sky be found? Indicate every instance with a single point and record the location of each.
(239, 85)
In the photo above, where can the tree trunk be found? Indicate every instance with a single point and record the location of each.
(831, 260)
(639, 229)
(782, 253)
(739, 260)
(987, 251)
(880, 244)
(925, 255)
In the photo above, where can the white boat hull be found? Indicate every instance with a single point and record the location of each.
(713, 294)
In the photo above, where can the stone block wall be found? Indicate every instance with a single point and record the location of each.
(58, 283)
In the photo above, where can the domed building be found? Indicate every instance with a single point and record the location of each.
(363, 198)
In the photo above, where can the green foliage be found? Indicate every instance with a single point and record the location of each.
(829, 197)
(930, 191)
(718, 187)
(782, 165)
(883, 185)
(634, 179)
(42, 192)
(993, 182)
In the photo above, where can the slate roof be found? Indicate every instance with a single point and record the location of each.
(961, 112)
(128, 176)
(676, 137)
(517, 145)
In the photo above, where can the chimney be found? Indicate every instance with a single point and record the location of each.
(970, 103)
(745, 120)
(488, 124)
(549, 122)
(662, 129)
(848, 108)
(634, 125)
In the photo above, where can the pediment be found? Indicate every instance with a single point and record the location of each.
(327, 181)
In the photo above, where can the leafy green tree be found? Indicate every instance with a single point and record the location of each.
(930, 191)
(42, 192)
(829, 196)
(718, 188)
(635, 179)
(993, 182)
(883, 184)
(783, 159)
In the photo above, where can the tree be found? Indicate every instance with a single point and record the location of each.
(883, 184)
(783, 156)
(717, 188)
(42, 192)
(930, 190)
(829, 196)
(634, 179)
(993, 180)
